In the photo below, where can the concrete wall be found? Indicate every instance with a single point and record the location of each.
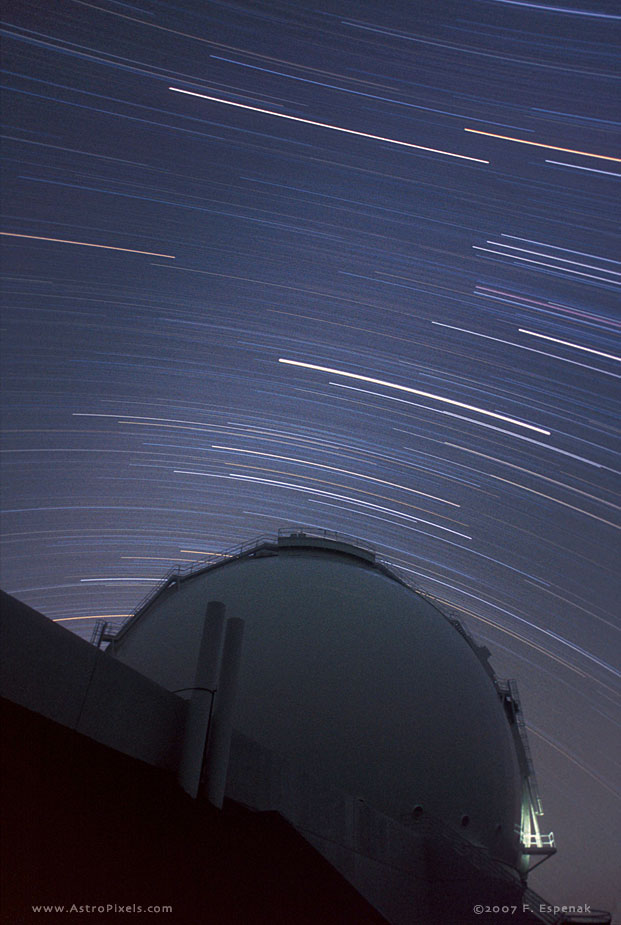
(414, 871)
(52, 672)
(385, 861)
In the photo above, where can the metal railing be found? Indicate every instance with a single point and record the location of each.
(179, 573)
(521, 727)
(330, 535)
(538, 840)
(104, 631)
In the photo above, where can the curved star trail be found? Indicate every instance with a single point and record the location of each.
(313, 266)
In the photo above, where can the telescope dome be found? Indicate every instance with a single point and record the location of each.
(351, 672)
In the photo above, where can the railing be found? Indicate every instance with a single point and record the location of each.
(510, 689)
(532, 840)
(539, 840)
(331, 535)
(179, 573)
(521, 727)
(105, 631)
(97, 633)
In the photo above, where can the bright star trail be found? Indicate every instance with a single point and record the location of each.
(334, 128)
(107, 247)
(389, 314)
(539, 144)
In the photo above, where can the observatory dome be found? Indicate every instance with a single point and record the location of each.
(350, 671)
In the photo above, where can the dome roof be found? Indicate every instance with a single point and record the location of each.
(353, 673)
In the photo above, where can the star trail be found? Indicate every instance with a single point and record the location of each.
(271, 264)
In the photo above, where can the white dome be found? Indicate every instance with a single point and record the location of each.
(356, 675)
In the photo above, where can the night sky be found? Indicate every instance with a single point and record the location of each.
(341, 265)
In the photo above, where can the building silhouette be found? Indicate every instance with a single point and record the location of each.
(296, 693)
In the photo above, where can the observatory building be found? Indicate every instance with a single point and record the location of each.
(352, 705)
(346, 751)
